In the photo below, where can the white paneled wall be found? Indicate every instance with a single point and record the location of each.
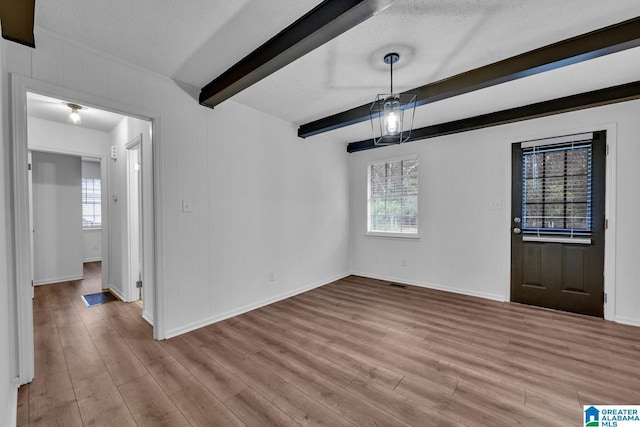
(57, 218)
(261, 204)
(128, 129)
(464, 243)
(263, 200)
(92, 245)
(54, 137)
(117, 212)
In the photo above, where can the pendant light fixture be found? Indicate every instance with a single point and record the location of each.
(392, 113)
(74, 115)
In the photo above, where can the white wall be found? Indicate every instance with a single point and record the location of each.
(90, 169)
(91, 245)
(464, 244)
(91, 238)
(264, 200)
(66, 138)
(123, 133)
(57, 218)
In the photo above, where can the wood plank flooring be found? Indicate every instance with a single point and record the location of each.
(356, 352)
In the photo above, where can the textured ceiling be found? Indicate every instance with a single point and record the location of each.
(435, 39)
(166, 36)
(194, 41)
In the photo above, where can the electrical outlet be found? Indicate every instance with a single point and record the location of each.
(495, 205)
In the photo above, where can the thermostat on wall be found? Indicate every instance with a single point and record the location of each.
(114, 153)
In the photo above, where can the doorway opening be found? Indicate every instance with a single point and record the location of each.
(78, 170)
(43, 129)
(65, 213)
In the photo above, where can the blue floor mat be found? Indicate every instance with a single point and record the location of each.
(99, 298)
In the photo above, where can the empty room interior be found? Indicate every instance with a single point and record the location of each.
(338, 212)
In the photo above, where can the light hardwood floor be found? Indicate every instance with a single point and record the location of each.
(355, 352)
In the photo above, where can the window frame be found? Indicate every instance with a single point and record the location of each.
(83, 197)
(391, 234)
(561, 232)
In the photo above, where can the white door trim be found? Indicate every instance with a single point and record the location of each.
(20, 85)
(130, 291)
(22, 238)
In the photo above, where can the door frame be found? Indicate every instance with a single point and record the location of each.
(20, 85)
(104, 199)
(610, 207)
(129, 146)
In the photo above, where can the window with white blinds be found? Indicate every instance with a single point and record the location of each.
(91, 203)
(393, 197)
(556, 189)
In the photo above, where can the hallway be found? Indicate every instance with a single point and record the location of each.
(82, 355)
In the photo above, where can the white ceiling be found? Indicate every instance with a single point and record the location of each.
(56, 110)
(195, 41)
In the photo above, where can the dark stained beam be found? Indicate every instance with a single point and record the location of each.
(610, 95)
(323, 23)
(615, 38)
(17, 21)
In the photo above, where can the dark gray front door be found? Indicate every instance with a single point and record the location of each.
(557, 236)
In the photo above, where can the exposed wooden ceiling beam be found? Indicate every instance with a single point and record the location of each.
(610, 95)
(17, 21)
(323, 23)
(615, 38)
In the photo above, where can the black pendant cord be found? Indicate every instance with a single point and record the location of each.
(391, 65)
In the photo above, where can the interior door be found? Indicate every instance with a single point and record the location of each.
(557, 236)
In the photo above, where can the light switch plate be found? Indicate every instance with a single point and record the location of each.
(187, 207)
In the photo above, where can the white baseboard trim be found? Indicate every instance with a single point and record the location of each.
(494, 297)
(116, 292)
(626, 321)
(148, 317)
(57, 280)
(12, 410)
(231, 313)
(92, 259)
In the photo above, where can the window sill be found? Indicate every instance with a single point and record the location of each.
(393, 235)
(92, 229)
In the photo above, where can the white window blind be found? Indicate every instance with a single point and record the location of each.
(556, 189)
(393, 197)
(91, 203)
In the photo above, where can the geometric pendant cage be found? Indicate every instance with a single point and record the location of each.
(392, 114)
